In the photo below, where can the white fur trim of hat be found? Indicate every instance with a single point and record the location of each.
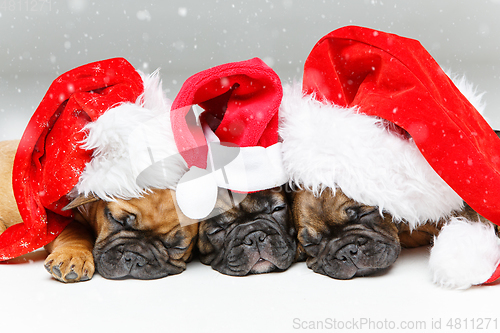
(328, 146)
(134, 148)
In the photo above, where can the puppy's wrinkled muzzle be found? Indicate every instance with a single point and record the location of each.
(258, 246)
(135, 258)
(357, 254)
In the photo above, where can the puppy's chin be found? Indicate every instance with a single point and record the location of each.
(263, 266)
(135, 256)
(358, 253)
(259, 266)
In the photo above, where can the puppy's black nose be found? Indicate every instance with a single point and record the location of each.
(132, 259)
(255, 237)
(348, 253)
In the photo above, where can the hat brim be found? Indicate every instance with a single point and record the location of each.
(396, 79)
(49, 159)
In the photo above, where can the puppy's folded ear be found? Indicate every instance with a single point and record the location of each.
(80, 200)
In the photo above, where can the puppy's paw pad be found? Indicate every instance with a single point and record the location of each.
(72, 275)
(57, 271)
(70, 266)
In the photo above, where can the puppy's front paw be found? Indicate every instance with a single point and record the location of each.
(70, 265)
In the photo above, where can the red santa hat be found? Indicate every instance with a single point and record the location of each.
(378, 118)
(100, 129)
(233, 142)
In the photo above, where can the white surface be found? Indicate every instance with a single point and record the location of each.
(203, 300)
(184, 37)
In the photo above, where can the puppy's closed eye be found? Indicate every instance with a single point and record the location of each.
(279, 207)
(212, 230)
(126, 220)
(356, 213)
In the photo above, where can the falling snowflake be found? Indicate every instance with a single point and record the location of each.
(144, 15)
(182, 11)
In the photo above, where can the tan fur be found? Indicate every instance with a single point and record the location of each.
(70, 256)
(9, 215)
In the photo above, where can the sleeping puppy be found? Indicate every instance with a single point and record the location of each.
(342, 238)
(138, 238)
(255, 236)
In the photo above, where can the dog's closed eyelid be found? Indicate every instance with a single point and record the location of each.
(179, 248)
(213, 230)
(110, 216)
(279, 207)
(127, 220)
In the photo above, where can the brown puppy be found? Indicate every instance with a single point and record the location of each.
(342, 238)
(138, 238)
(255, 236)
(9, 215)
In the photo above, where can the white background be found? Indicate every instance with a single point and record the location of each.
(40, 40)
